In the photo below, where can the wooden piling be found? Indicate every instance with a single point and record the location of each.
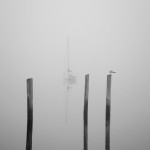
(85, 112)
(29, 114)
(108, 108)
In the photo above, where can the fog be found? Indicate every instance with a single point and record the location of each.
(104, 35)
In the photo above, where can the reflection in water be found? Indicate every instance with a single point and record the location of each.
(69, 80)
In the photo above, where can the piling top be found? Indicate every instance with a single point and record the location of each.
(86, 87)
(30, 79)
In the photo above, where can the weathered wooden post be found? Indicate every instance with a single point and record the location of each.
(108, 107)
(85, 112)
(29, 114)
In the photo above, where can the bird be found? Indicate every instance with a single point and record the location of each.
(111, 71)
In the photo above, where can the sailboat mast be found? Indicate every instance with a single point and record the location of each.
(68, 51)
(67, 83)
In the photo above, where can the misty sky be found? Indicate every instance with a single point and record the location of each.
(104, 35)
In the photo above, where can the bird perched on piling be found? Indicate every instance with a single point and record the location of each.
(111, 71)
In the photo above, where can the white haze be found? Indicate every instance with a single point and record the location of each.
(104, 35)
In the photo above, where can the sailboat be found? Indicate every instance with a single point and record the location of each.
(69, 78)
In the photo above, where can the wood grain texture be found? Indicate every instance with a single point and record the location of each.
(85, 112)
(108, 108)
(29, 114)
